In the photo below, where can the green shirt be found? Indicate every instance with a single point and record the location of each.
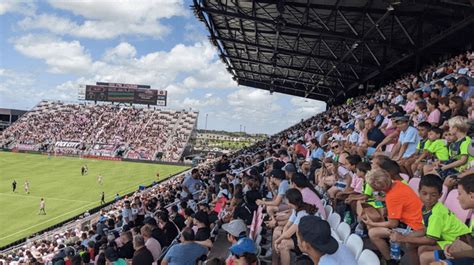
(459, 149)
(371, 200)
(443, 225)
(439, 149)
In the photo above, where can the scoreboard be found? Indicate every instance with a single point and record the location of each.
(125, 93)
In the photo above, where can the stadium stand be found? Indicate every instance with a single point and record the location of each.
(337, 159)
(102, 130)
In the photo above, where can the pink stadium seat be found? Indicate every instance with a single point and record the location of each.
(414, 183)
(453, 205)
(444, 195)
(405, 177)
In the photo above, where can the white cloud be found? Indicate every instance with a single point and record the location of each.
(108, 19)
(306, 108)
(198, 104)
(123, 51)
(61, 56)
(17, 6)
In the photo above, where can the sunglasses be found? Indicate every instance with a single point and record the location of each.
(334, 147)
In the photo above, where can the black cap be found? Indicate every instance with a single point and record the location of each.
(150, 221)
(278, 174)
(111, 254)
(317, 233)
(201, 217)
(396, 115)
(462, 81)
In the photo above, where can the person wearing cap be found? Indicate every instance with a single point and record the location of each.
(314, 238)
(407, 141)
(185, 253)
(244, 251)
(290, 170)
(203, 233)
(277, 177)
(236, 230)
(463, 89)
(113, 258)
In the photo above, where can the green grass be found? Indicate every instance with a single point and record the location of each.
(58, 180)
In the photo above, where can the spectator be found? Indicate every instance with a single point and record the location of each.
(142, 255)
(285, 238)
(314, 239)
(244, 252)
(126, 250)
(203, 233)
(170, 231)
(185, 253)
(113, 258)
(151, 244)
(442, 226)
(403, 211)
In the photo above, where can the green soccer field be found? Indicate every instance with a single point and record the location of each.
(58, 180)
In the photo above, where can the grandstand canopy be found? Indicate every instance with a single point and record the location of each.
(327, 49)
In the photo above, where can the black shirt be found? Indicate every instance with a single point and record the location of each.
(142, 257)
(251, 198)
(220, 167)
(158, 234)
(170, 231)
(375, 135)
(126, 251)
(243, 212)
(202, 234)
(179, 221)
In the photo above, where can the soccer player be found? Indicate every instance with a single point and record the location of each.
(14, 185)
(26, 186)
(100, 179)
(42, 206)
(86, 169)
(102, 198)
(83, 170)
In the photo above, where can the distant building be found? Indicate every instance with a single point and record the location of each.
(9, 116)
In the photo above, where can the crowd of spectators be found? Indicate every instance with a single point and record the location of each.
(354, 161)
(101, 130)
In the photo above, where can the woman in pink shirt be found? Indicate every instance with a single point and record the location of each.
(434, 113)
(310, 196)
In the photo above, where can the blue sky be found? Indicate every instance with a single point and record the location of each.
(49, 48)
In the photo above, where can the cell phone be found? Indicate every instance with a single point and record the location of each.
(439, 255)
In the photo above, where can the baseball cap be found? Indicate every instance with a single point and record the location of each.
(317, 233)
(277, 173)
(201, 217)
(111, 254)
(401, 118)
(235, 227)
(150, 221)
(244, 245)
(395, 115)
(289, 167)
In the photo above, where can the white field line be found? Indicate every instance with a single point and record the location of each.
(54, 218)
(46, 221)
(39, 197)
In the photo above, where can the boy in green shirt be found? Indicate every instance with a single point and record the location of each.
(442, 226)
(459, 157)
(435, 149)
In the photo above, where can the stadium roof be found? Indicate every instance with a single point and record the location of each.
(324, 49)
